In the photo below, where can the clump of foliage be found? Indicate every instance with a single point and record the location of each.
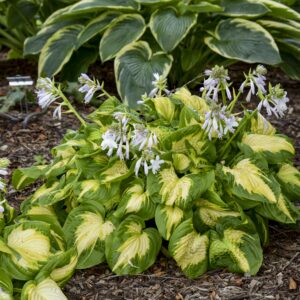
(186, 173)
(180, 38)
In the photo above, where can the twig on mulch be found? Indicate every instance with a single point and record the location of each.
(290, 261)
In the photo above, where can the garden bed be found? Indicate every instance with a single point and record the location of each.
(279, 277)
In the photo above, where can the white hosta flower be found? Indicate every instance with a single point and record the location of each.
(275, 102)
(109, 142)
(218, 122)
(46, 92)
(143, 161)
(156, 164)
(217, 80)
(1, 211)
(116, 137)
(255, 81)
(160, 84)
(142, 137)
(89, 87)
(57, 112)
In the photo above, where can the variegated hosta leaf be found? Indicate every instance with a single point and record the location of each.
(96, 27)
(243, 8)
(165, 108)
(134, 69)
(58, 50)
(136, 200)
(86, 229)
(47, 215)
(274, 148)
(46, 289)
(236, 250)
(124, 30)
(188, 117)
(91, 189)
(283, 211)
(249, 182)
(48, 194)
(131, 249)
(91, 166)
(181, 162)
(6, 286)
(208, 214)
(31, 246)
(181, 140)
(234, 31)
(169, 189)
(260, 125)
(116, 170)
(60, 267)
(191, 101)
(262, 227)
(189, 249)
(289, 178)
(23, 177)
(169, 27)
(167, 218)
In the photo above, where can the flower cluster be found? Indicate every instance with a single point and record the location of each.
(116, 137)
(255, 80)
(155, 162)
(89, 87)
(216, 81)
(218, 122)
(119, 137)
(160, 85)
(275, 102)
(46, 93)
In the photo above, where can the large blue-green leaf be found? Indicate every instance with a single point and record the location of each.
(124, 30)
(134, 69)
(243, 8)
(169, 28)
(58, 50)
(244, 40)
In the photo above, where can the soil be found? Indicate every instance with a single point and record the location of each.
(279, 277)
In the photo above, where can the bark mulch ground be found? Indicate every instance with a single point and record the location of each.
(279, 277)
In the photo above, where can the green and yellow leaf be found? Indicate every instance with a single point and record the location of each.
(274, 148)
(169, 189)
(32, 247)
(136, 200)
(86, 229)
(236, 250)
(289, 178)
(189, 249)
(260, 125)
(165, 108)
(249, 182)
(208, 214)
(6, 286)
(46, 289)
(167, 218)
(131, 249)
(283, 211)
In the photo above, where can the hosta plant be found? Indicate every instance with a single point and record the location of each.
(191, 174)
(170, 36)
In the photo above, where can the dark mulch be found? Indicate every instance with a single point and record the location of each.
(279, 277)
